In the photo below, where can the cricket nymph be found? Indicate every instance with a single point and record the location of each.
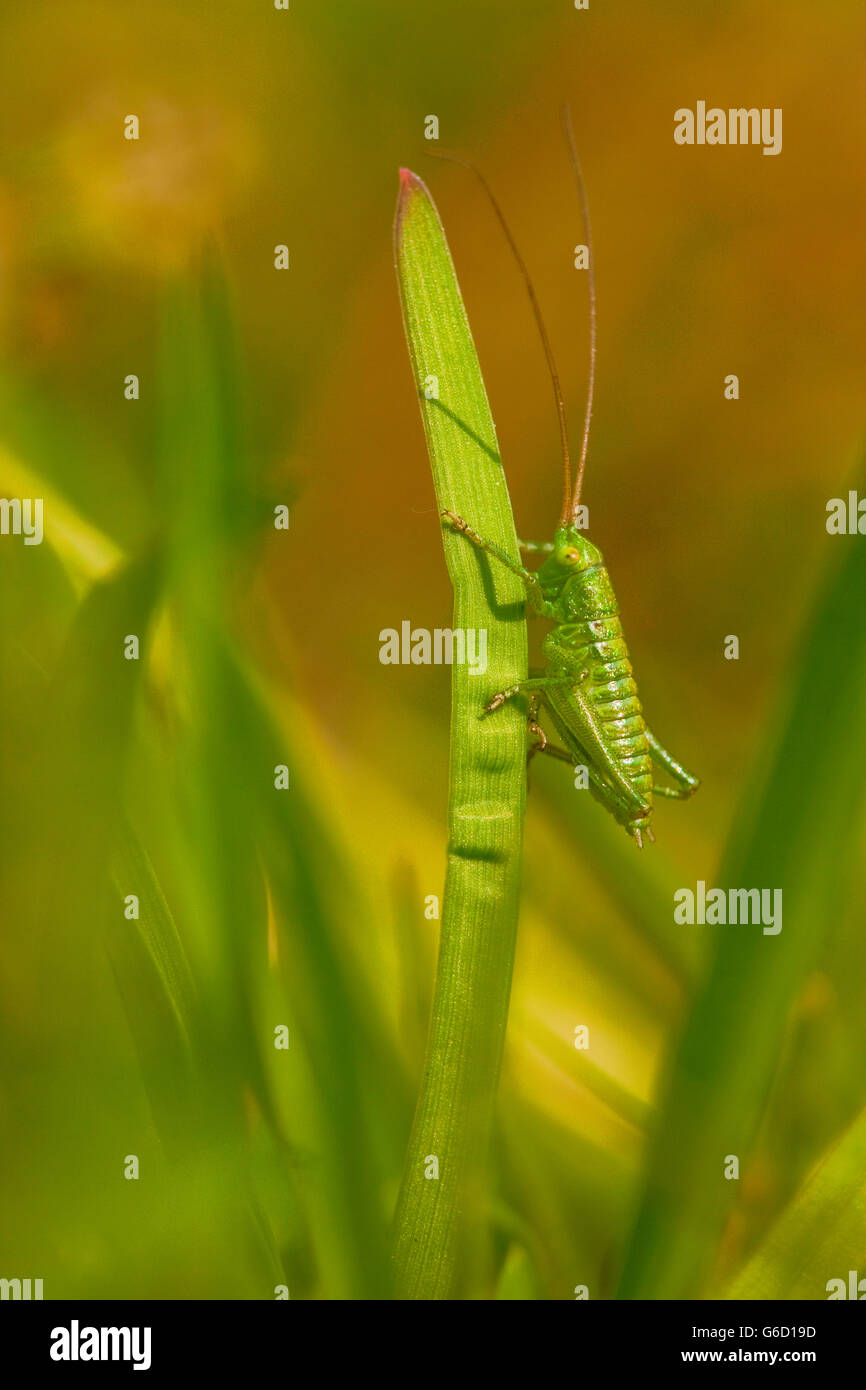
(589, 640)
(588, 686)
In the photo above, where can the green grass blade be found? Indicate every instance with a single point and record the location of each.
(797, 832)
(205, 469)
(156, 926)
(329, 1017)
(153, 978)
(487, 770)
(820, 1236)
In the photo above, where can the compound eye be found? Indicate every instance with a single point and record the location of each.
(570, 555)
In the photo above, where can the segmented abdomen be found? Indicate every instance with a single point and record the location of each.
(598, 646)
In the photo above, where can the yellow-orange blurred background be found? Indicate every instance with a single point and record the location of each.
(260, 127)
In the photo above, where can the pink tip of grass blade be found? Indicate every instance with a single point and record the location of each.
(410, 184)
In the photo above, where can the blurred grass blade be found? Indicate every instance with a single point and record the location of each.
(154, 982)
(252, 882)
(204, 473)
(93, 695)
(642, 887)
(156, 927)
(329, 1016)
(822, 1233)
(487, 769)
(518, 1281)
(86, 552)
(797, 831)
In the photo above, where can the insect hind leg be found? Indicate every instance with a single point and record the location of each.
(604, 793)
(686, 786)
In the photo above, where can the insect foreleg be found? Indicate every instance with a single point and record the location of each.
(534, 595)
(686, 783)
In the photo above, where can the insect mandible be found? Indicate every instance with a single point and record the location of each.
(587, 687)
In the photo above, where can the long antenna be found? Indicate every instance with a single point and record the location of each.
(570, 510)
(548, 350)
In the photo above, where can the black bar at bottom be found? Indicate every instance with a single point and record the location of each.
(65, 1338)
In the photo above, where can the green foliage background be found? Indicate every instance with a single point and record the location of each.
(306, 908)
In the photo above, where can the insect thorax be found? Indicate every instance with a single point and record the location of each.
(587, 595)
